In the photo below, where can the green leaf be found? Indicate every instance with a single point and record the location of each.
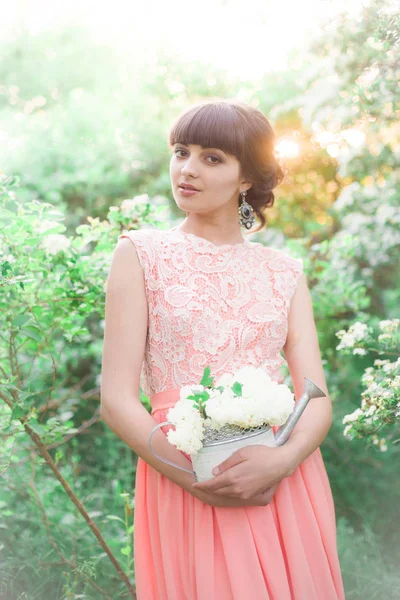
(37, 427)
(17, 412)
(206, 380)
(203, 396)
(115, 518)
(20, 320)
(37, 311)
(237, 388)
(32, 332)
(5, 267)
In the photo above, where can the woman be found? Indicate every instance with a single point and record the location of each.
(202, 294)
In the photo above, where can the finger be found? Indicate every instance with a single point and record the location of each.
(211, 485)
(235, 459)
(227, 490)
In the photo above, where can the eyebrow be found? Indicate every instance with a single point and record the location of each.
(204, 147)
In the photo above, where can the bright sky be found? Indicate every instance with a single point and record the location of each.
(244, 37)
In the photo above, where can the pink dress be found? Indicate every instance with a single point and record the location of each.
(227, 307)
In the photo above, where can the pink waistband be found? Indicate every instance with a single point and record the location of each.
(164, 399)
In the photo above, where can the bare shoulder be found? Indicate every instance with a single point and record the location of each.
(126, 322)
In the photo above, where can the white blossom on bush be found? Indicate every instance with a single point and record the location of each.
(356, 333)
(54, 243)
(130, 205)
(47, 224)
(380, 403)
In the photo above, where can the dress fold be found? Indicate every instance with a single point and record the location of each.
(185, 549)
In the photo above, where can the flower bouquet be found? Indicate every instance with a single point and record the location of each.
(212, 421)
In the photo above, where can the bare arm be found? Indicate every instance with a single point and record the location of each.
(126, 320)
(303, 356)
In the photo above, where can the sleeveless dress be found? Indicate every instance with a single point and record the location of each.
(225, 306)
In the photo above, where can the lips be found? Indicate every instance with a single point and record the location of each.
(185, 186)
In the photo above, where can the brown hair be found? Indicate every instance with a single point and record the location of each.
(241, 130)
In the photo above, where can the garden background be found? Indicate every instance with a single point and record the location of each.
(83, 155)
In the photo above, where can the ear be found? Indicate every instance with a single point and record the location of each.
(247, 185)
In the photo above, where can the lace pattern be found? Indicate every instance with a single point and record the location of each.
(224, 306)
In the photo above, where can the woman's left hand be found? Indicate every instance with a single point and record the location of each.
(248, 472)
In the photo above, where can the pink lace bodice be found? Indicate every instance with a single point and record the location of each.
(223, 306)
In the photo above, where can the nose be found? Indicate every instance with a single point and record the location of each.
(188, 167)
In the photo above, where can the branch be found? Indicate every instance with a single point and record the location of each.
(64, 560)
(43, 451)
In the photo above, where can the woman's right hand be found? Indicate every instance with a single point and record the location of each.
(261, 499)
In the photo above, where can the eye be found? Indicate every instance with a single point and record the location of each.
(218, 160)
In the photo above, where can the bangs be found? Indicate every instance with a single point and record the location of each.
(216, 125)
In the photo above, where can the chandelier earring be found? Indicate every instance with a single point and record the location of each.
(246, 213)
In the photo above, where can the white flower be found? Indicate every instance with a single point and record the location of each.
(384, 336)
(129, 205)
(186, 439)
(189, 430)
(346, 431)
(389, 325)
(253, 380)
(55, 242)
(361, 351)
(347, 341)
(357, 332)
(189, 390)
(263, 401)
(47, 224)
(352, 416)
(227, 379)
(395, 383)
(379, 362)
(271, 404)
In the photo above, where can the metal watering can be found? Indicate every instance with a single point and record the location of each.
(214, 452)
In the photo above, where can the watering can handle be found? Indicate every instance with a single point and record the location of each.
(164, 460)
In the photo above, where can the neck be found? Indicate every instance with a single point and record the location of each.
(214, 232)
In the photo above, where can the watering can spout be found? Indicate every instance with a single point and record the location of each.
(310, 391)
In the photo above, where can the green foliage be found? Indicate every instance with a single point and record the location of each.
(52, 304)
(81, 144)
(367, 571)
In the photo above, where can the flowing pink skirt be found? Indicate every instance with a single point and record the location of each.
(187, 550)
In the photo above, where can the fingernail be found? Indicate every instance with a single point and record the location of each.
(215, 471)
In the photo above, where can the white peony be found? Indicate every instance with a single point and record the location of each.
(227, 379)
(271, 403)
(263, 401)
(189, 429)
(254, 380)
(186, 439)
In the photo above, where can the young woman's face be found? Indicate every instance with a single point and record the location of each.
(213, 173)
